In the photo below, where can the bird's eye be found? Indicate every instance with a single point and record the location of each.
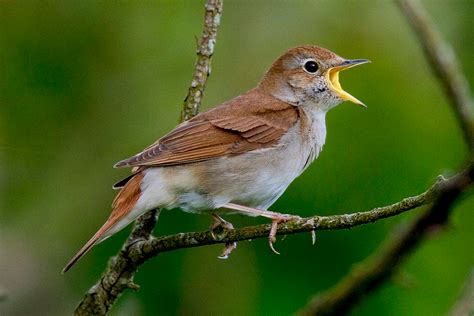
(311, 66)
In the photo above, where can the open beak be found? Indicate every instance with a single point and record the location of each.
(332, 75)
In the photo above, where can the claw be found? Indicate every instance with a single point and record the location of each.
(274, 216)
(219, 225)
(271, 236)
(229, 247)
(272, 248)
(273, 230)
(313, 232)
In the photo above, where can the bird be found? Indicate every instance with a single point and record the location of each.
(240, 156)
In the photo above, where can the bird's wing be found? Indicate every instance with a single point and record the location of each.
(226, 130)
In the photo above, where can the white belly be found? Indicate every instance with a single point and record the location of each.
(253, 179)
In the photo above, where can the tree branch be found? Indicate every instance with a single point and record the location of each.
(368, 275)
(444, 64)
(121, 268)
(141, 246)
(204, 53)
(119, 274)
(144, 250)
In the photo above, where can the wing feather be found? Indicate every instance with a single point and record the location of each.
(246, 123)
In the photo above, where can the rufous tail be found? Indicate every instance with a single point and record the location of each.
(91, 243)
(122, 206)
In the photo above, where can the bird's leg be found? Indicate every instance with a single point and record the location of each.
(228, 248)
(276, 218)
(218, 224)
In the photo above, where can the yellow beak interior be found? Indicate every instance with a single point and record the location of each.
(332, 75)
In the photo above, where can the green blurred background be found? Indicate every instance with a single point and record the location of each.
(85, 84)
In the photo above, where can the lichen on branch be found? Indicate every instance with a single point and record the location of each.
(141, 246)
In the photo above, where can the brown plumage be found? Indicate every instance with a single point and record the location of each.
(240, 155)
(121, 206)
(218, 132)
(224, 130)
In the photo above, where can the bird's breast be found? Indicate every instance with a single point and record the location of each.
(312, 125)
(256, 178)
(259, 177)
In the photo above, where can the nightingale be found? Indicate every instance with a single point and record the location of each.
(240, 156)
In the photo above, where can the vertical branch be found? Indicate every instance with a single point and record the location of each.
(212, 17)
(121, 269)
(444, 64)
(204, 53)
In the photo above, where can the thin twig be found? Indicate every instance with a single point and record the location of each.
(444, 64)
(369, 274)
(145, 250)
(204, 53)
(119, 273)
(121, 269)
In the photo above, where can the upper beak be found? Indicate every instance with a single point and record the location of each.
(332, 76)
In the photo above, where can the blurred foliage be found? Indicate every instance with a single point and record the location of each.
(85, 84)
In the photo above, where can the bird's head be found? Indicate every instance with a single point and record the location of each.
(309, 76)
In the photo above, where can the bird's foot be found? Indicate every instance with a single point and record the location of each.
(277, 219)
(219, 228)
(229, 247)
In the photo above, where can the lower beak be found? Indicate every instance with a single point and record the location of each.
(332, 75)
